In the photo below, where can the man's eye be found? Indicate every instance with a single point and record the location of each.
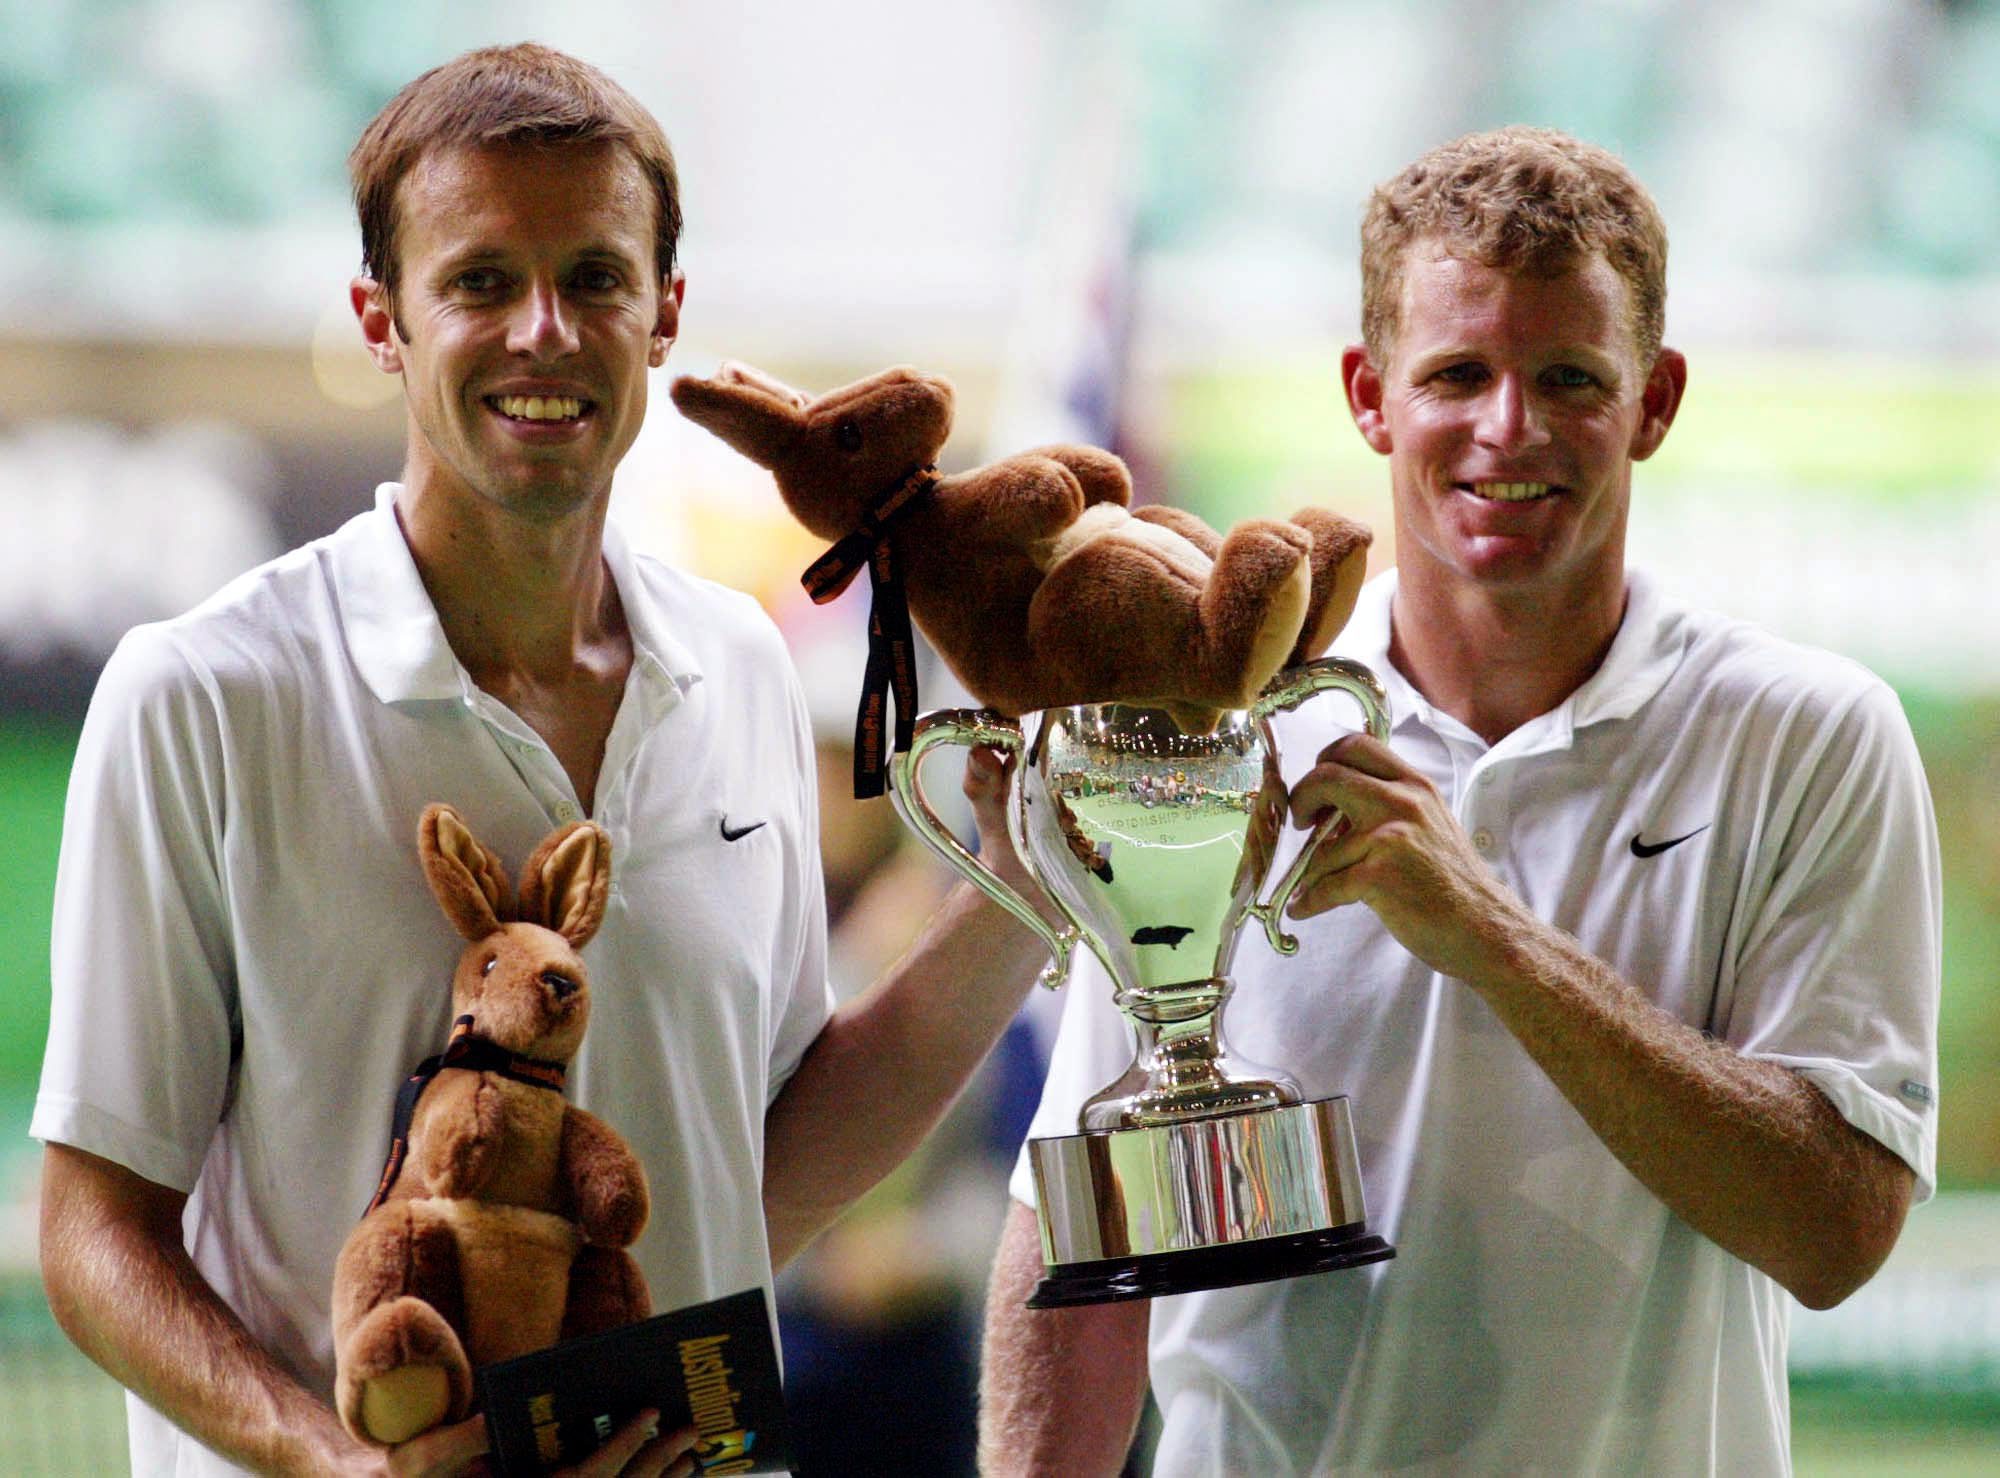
(477, 280)
(1569, 377)
(1466, 373)
(596, 279)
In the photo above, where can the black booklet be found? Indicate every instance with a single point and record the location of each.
(713, 1365)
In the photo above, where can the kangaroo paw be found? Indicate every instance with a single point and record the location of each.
(402, 1371)
(1255, 602)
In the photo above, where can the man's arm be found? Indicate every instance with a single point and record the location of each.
(889, 1063)
(123, 1287)
(1060, 1390)
(1746, 1152)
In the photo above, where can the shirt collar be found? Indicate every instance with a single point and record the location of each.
(398, 642)
(393, 630)
(1648, 647)
(654, 646)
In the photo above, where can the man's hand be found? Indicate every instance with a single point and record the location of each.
(442, 1452)
(122, 1286)
(988, 781)
(988, 774)
(639, 1450)
(635, 1450)
(1399, 850)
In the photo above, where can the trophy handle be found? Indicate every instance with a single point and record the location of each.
(970, 726)
(1285, 692)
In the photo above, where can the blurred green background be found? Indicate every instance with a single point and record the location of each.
(1107, 220)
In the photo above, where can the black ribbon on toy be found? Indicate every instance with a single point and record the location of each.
(892, 652)
(476, 1054)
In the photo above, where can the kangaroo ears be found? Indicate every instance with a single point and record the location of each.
(735, 372)
(567, 882)
(467, 878)
(759, 416)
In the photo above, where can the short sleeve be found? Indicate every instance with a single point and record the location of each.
(137, 1067)
(1838, 975)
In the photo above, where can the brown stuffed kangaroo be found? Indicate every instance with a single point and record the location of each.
(1030, 577)
(503, 1211)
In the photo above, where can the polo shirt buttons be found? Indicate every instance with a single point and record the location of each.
(566, 813)
(1483, 840)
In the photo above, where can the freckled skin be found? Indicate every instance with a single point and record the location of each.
(1500, 377)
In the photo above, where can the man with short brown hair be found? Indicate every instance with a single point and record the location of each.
(246, 960)
(525, 94)
(1520, 199)
(1639, 1015)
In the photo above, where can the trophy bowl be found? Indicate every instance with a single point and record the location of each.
(1194, 1169)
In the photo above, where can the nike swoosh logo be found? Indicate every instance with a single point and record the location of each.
(1654, 849)
(739, 833)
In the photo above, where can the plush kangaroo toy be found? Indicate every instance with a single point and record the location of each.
(1031, 578)
(502, 1214)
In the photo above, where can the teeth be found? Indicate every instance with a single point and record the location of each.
(539, 407)
(1510, 492)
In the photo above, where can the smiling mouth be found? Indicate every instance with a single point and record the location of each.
(1508, 492)
(540, 407)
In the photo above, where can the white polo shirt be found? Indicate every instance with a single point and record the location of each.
(247, 960)
(1741, 827)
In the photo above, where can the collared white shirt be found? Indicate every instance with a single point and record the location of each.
(1740, 827)
(247, 960)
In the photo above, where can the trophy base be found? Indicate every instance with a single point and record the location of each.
(1228, 1266)
(1206, 1202)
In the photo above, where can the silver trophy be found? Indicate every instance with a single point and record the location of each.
(1195, 1169)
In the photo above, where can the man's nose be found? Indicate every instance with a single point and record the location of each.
(541, 326)
(1510, 417)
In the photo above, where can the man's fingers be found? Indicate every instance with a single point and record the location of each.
(1331, 785)
(638, 1448)
(674, 1452)
(1369, 755)
(986, 773)
(1338, 826)
(1322, 894)
(1328, 883)
(1364, 778)
(443, 1451)
(671, 1455)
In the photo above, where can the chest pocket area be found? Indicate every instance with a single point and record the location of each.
(730, 873)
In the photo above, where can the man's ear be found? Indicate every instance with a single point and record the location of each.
(1363, 383)
(378, 323)
(668, 327)
(1659, 402)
